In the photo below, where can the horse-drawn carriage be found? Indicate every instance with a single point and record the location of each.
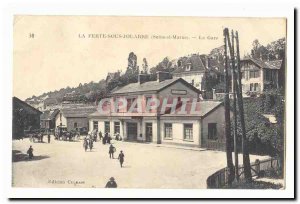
(62, 133)
(35, 135)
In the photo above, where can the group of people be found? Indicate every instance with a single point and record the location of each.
(88, 143)
(111, 152)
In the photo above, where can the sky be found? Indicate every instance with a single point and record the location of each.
(68, 50)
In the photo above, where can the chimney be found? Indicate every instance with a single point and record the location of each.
(142, 78)
(162, 76)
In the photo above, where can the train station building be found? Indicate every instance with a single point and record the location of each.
(165, 111)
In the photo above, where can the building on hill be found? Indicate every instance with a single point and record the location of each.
(45, 103)
(25, 117)
(201, 71)
(142, 121)
(112, 75)
(259, 75)
(74, 116)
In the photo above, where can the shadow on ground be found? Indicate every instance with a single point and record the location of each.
(18, 156)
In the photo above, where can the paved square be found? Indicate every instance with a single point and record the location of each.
(63, 164)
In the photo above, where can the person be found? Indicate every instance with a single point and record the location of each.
(85, 143)
(111, 183)
(100, 135)
(91, 144)
(95, 136)
(49, 138)
(108, 139)
(121, 158)
(105, 138)
(30, 152)
(117, 136)
(111, 151)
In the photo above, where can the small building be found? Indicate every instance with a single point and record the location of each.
(25, 117)
(74, 116)
(259, 75)
(48, 119)
(202, 128)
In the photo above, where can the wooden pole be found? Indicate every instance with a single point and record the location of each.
(246, 159)
(227, 116)
(234, 84)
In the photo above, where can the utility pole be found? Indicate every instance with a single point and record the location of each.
(246, 159)
(234, 84)
(227, 116)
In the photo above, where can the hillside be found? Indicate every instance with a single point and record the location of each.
(92, 91)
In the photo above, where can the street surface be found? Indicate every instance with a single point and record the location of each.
(66, 164)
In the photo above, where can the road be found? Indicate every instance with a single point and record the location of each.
(66, 164)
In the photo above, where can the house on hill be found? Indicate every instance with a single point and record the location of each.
(25, 117)
(259, 75)
(201, 71)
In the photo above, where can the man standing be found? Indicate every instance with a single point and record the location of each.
(30, 152)
(121, 158)
(49, 137)
(111, 183)
(100, 135)
(111, 151)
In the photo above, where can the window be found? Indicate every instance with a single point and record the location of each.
(256, 87)
(95, 125)
(148, 101)
(168, 131)
(75, 125)
(188, 131)
(254, 74)
(130, 101)
(117, 127)
(251, 87)
(106, 126)
(212, 131)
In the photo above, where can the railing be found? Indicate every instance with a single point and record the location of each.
(259, 168)
(215, 145)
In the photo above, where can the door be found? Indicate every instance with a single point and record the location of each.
(132, 131)
(148, 132)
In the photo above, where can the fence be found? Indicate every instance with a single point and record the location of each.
(216, 145)
(258, 168)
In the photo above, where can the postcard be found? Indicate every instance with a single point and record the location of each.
(149, 102)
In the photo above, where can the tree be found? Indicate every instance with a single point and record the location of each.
(132, 61)
(145, 66)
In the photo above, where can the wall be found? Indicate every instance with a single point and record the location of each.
(178, 86)
(58, 121)
(246, 80)
(178, 132)
(217, 116)
(81, 122)
(197, 77)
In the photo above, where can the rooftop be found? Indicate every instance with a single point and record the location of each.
(78, 112)
(195, 61)
(49, 114)
(274, 64)
(203, 108)
(149, 86)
